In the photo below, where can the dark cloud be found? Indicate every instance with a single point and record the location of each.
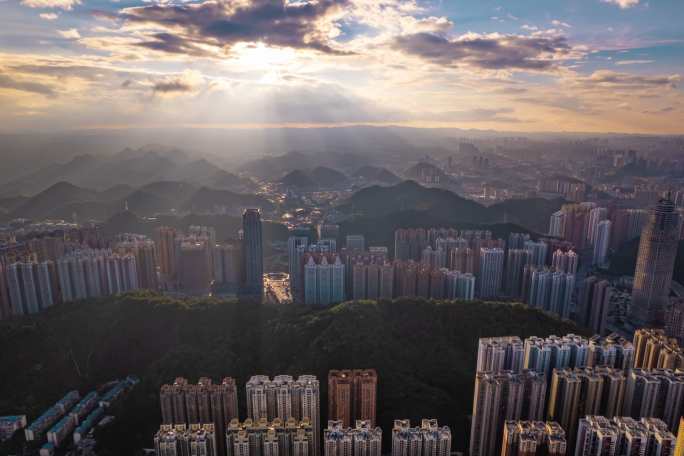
(7, 82)
(274, 22)
(172, 85)
(486, 51)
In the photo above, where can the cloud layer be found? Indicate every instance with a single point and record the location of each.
(493, 51)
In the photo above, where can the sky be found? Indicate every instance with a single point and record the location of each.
(514, 65)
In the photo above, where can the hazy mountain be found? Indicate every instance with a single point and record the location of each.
(438, 207)
(131, 167)
(298, 179)
(317, 178)
(45, 202)
(210, 200)
(376, 174)
(64, 200)
(409, 195)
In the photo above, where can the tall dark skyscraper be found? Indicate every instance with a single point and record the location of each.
(655, 264)
(253, 253)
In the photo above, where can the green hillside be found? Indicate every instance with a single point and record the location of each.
(424, 352)
(439, 205)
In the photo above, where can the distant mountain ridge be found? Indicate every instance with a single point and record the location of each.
(438, 204)
(132, 167)
(320, 177)
(64, 200)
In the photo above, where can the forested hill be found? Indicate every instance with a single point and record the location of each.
(424, 352)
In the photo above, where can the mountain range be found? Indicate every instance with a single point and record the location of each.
(64, 200)
(132, 167)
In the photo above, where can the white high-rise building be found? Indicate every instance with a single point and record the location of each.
(285, 398)
(93, 273)
(427, 440)
(491, 271)
(496, 354)
(596, 216)
(29, 286)
(557, 224)
(361, 440)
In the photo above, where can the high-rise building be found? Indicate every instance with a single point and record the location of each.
(197, 439)
(427, 440)
(90, 273)
(144, 250)
(593, 304)
(601, 242)
(537, 253)
(284, 398)
(186, 404)
(262, 437)
(491, 272)
(194, 267)
(679, 447)
(167, 253)
(361, 440)
(323, 279)
(655, 264)
(596, 216)
(253, 253)
(600, 436)
(610, 351)
(653, 350)
(296, 245)
(5, 305)
(460, 286)
(30, 287)
(550, 291)
(496, 354)
(557, 224)
(355, 242)
(352, 395)
(517, 240)
(565, 261)
(574, 393)
(500, 397)
(515, 264)
(532, 438)
(543, 355)
(409, 243)
(228, 267)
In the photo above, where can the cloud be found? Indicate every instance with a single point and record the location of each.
(557, 23)
(613, 79)
(71, 34)
(492, 51)
(49, 16)
(624, 4)
(8, 82)
(62, 4)
(174, 85)
(633, 62)
(186, 28)
(474, 115)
